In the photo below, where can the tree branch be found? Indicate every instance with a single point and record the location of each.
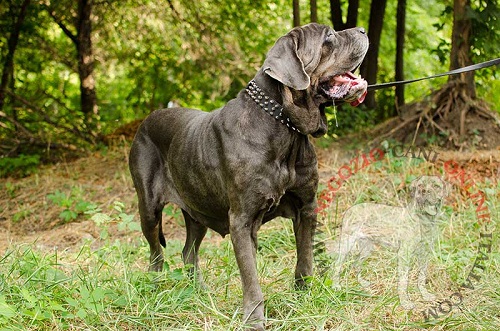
(12, 45)
(72, 130)
(176, 13)
(352, 14)
(63, 27)
(336, 15)
(17, 125)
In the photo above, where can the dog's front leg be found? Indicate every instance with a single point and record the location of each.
(304, 225)
(403, 274)
(422, 263)
(243, 231)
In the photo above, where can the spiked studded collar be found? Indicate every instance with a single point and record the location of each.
(270, 106)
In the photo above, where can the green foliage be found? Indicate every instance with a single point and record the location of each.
(196, 56)
(485, 38)
(149, 54)
(104, 220)
(19, 166)
(72, 204)
(484, 15)
(485, 46)
(349, 119)
(424, 47)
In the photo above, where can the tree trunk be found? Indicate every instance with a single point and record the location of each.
(296, 13)
(314, 10)
(352, 14)
(400, 41)
(88, 95)
(336, 14)
(369, 67)
(460, 45)
(8, 67)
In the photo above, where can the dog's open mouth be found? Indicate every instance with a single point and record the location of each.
(346, 87)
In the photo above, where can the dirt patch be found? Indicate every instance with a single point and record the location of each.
(29, 213)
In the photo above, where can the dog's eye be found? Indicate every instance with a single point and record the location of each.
(329, 37)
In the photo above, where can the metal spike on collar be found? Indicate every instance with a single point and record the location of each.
(269, 105)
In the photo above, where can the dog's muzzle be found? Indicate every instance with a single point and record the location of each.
(345, 87)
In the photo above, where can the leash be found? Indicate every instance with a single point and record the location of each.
(477, 66)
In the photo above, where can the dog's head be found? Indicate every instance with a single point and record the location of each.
(315, 64)
(428, 193)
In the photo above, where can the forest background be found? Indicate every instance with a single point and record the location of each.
(75, 71)
(77, 77)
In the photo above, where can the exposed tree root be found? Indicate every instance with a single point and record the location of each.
(448, 117)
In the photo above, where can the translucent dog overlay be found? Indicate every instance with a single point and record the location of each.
(410, 231)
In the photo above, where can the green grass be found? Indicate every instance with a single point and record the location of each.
(105, 287)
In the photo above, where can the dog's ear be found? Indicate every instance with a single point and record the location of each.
(414, 186)
(447, 187)
(283, 64)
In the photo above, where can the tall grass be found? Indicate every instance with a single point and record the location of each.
(107, 288)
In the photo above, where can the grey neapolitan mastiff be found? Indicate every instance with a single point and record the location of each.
(240, 166)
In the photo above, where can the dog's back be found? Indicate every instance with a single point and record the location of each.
(381, 223)
(162, 125)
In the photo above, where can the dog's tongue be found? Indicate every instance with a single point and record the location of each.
(349, 79)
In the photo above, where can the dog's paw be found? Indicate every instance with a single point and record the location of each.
(336, 285)
(407, 305)
(428, 296)
(254, 325)
(364, 283)
(259, 327)
(201, 286)
(302, 283)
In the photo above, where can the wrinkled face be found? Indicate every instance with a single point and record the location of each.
(316, 64)
(428, 193)
(342, 53)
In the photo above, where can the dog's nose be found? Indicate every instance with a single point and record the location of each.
(362, 30)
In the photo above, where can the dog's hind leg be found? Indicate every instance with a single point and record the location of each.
(365, 249)
(195, 232)
(152, 230)
(146, 165)
(346, 244)
(403, 274)
(422, 262)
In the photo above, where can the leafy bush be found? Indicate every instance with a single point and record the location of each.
(19, 166)
(347, 119)
(73, 205)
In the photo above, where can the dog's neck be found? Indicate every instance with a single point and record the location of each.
(266, 95)
(425, 218)
(270, 85)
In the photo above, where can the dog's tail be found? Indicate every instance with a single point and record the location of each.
(161, 236)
